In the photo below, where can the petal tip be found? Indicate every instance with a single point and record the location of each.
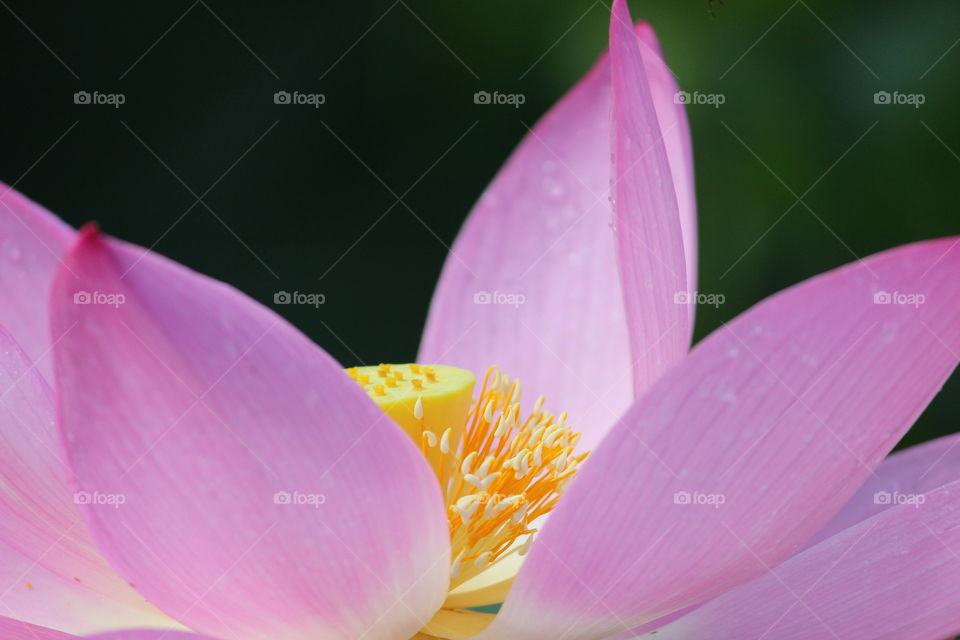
(90, 230)
(89, 249)
(89, 239)
(646, 33)
(619, 16)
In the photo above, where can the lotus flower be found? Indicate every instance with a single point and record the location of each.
(176, 457)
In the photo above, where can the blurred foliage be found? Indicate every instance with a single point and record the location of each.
(291, 190)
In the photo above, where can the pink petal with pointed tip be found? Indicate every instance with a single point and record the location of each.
(895, 576)
(741, 453)
(236, 475)
(32, 241)
(543, 231)
(671, 113)
(38, 517)
(649, 235)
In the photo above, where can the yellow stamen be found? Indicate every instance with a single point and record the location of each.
(512, 468)
(499, 472)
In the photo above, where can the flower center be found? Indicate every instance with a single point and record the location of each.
(499, 470)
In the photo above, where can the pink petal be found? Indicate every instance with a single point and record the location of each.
(915, 470)
(11, 629)
(894, 576)
(237, 476)
(671, 113)
(738, 455)
(900, 476)
(147, 635)
(32, 240)
(543, 231)
(39, 521)
(649, 236)
(39, 596)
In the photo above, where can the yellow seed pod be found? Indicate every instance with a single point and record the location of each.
(443, 394)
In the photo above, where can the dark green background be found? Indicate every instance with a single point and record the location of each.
(798, 79)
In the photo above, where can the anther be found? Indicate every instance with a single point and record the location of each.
(468, 462)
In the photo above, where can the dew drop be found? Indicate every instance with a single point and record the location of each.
(889, 332)
(554, 188)
(725, 393)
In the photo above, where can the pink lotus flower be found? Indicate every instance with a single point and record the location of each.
(736, 491)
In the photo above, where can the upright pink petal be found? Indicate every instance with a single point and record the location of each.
(235, 474)
(39, 520)
(672, 116)
(532, 283)
(895, 576)
(649, 236)
(32, 241)
(738, 455)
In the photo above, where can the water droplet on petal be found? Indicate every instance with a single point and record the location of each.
(554, 188)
